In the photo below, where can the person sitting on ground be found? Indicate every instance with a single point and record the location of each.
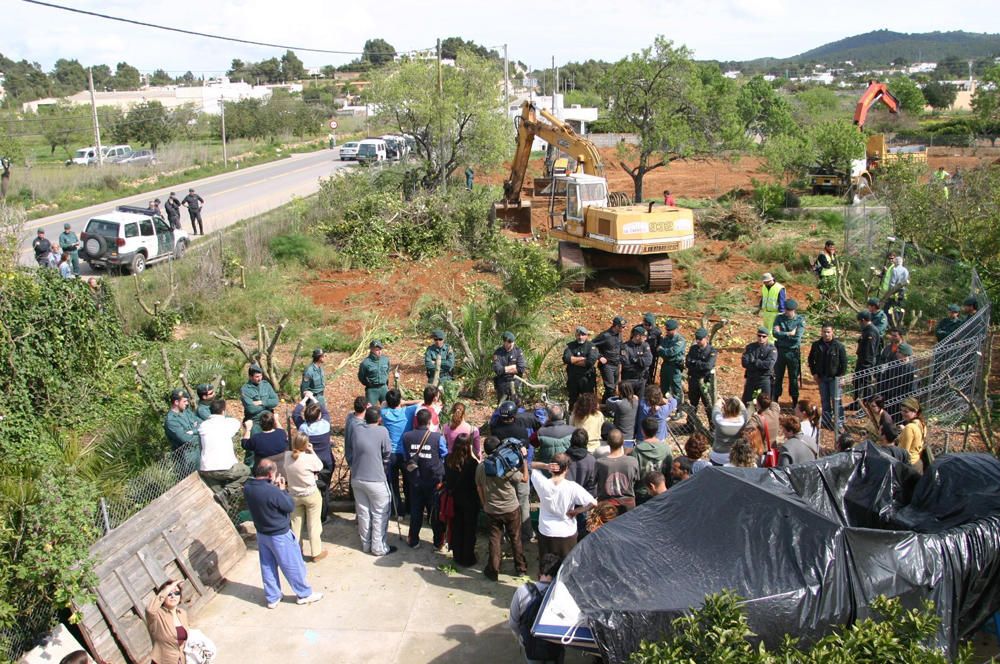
(167, 623)
(765, 417)
(754, 438)
(808, 415)
(729, 416)
(554, 437)
(657, 406)
(652, 455)
(587, 416)
(604, 511)
(622, 409)
(742, 454)
(698, 449)
(681, 470)
(76, 657)
(560, 501)
(888, 431)
(913, 433)
(457, 426)
(655, 482)
(270, 441)
(300, 467)
(618, 473)
(524, 608)
(795, 449)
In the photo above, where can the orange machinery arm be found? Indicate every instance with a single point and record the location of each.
(554, 131)
(876, 91)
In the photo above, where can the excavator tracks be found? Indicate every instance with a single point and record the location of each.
(660, 273)
(571, 256)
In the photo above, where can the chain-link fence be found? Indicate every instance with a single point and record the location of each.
(27, 632)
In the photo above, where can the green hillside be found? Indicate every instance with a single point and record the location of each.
(884, 46)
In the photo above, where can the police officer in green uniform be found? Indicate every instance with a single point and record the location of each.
(439, 349)
(374, 373)
(70, 243)
(181, 424)
(948, 325)
(969, 308)
(879, 320)
(206, 395)
(788, 330)
(257, 396)
(672, 350)
(313, 379)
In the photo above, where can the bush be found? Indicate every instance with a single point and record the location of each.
(777, 253)
(529, 274)
(293, 247)
(768, 198)
(718, 631)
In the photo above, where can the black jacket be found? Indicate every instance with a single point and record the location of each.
(868, 348)
(827, 360)
(430, 465)
(758, 360)
(502, 358)
(636, 360)
(700, 361)
(653, 337)
(585, 371)
(609, 345)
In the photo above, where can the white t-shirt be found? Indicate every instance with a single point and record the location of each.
(808, 431)
(556, 500)
(217, 442)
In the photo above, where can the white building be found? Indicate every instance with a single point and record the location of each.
(576, 116)
(3, 92)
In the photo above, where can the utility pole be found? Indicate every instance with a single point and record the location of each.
(93, 113)
(225, 151)
(444, 179)
(506, 83)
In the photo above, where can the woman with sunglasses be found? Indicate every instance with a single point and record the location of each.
(167, 624)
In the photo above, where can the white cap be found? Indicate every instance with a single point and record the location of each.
(767, 277)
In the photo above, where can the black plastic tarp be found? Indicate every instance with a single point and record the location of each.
(808, 547)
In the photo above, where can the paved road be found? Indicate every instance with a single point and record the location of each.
(229, 197)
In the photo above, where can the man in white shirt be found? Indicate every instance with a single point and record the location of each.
(218, 466)
(561, 500)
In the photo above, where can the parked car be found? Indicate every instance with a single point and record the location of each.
(139, 158)
(115, 153)
(131, 238)
(372, 150)
(349, 151)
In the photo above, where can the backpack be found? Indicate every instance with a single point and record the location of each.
(504, 459)
(534, 647)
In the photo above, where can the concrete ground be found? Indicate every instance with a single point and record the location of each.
(413, 606)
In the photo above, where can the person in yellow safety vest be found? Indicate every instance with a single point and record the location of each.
(827, 268)
(942, 177)
(885, 274)
(772, 303)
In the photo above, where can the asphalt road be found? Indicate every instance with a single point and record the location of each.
(229, 197)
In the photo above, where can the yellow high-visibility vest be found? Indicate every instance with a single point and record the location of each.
(829, 271)
(769, 296)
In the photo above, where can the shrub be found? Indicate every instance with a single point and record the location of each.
(293, 247)
(768, 198)
(777, 253)
(529, 274)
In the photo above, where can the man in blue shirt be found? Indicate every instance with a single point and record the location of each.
(397, 418)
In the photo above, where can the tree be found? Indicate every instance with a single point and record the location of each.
(677, 108)
(911, 99)
(149, 123)
(185, 119)
(835, 143)
(186, 79)
(69, 76)
(160, 77)
(102, 76)
(816, 103)
(64, 125)
(11, 151)
(940, 95)
(126, 77)
(460, 125)
(986, 100)
(328, 71)
(292, 68)
(788, 156)
(378, 52)
(762, 111)
(452, 46)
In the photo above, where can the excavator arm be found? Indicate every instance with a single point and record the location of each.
(554, 131)
(876, 92)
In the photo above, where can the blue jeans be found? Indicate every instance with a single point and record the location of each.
(828, 394)
(393, 469)
(281, 552)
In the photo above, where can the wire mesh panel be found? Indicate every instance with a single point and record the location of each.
(867, 232)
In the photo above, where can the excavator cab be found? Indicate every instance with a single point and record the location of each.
(569, 198)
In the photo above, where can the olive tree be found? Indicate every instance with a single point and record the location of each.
(678, 108)
(463, 123)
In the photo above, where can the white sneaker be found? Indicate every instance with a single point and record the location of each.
(315, 597)
(274, 604)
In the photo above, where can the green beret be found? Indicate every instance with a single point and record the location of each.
(671, 324)
(701, 333)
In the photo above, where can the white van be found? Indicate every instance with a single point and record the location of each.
(83, 157)
(372, 150)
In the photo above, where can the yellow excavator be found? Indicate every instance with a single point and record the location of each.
(595, 228)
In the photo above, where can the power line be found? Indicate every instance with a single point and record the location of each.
(204, 34)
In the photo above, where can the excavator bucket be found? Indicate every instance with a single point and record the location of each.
(515, 217)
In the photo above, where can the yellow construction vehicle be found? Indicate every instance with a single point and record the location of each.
(595, 228)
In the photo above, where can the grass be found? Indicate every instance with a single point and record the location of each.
(810, 201)
(783, 253)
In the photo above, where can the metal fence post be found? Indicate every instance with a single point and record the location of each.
(104, 516)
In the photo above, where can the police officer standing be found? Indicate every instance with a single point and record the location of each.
(257, 396)
(439, 349)
(653, 337)
(672, 348)
(580, 357)
(70, 243)
(374, 373)
(701, 372)
(42, 248)
(788, 330)
(636, 360)
(173, 209)
(758, 361)
(879, 320)
(508, 361)
(193, 202)
(948, 325)
(609, 346)
(313, 379)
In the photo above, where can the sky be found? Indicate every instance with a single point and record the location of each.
(534, 32)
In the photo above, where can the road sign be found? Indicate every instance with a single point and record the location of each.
(333, 124)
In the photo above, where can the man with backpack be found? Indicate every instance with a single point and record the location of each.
(524, 609)
(497, 484)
